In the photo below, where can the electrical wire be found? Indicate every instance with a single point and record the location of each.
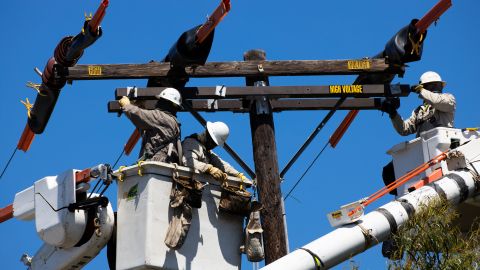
(94, 188)
(8, 163)
(304, 173)
(118, 159)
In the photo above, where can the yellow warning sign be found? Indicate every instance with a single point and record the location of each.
(346, 89)
(359, 64)
(94, 70)
(336, 214)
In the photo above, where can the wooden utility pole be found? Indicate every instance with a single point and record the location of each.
(266, 168)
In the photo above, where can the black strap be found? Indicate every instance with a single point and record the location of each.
(318, 262)
(163, 145)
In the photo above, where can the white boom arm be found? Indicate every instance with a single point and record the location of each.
(348, 240)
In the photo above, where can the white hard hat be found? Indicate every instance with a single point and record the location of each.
(172, 95)
(218, 131)
(430, 76)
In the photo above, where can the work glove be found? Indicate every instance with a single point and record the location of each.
(124, 101)
(416, 88)
(390, 106)
(216, 173)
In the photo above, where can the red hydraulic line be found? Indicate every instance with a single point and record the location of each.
(98, 17)
(434, 176)
(82, 176)
(338, 134)
(6, 213)
(212, 21)
(400, 181)
(432, 15)
(26, 139)
(132, 141)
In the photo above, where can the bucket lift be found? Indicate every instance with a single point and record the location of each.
(453, 152)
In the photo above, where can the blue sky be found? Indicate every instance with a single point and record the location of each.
(81, 133)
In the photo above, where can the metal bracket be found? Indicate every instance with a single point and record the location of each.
(262, 104)
(395, 89)
(132, 92)
(212, 104)
(221, 91)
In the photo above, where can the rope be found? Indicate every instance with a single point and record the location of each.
(8, 163)
(304, 173)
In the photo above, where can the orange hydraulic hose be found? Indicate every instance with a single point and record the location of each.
(400, 181)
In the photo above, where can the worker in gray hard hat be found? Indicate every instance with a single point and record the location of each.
(159, 127)
(198, 154)
(437, 110)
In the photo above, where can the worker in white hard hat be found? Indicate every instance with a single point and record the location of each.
(198, 154)
(437, 110)
(159, 127)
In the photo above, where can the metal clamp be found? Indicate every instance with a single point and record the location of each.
(221, 91)
(395, 89)
(132, 92)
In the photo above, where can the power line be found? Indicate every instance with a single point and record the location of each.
(8, 163)
(118, 159)
(304, 173)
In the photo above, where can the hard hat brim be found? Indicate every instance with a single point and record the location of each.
(210, 132)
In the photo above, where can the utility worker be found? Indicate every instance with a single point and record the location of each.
(437, 110)
(198, 154)
(159, 127)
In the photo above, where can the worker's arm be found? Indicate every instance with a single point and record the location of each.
(192, 154)
(406, 127)
(216, 161)
(148, 119)
(441, 102)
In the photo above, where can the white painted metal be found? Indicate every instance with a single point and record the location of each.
(408, 155)
(143, 216)
(23, 205)
(373, 228)
(54, 223)
(54, 258)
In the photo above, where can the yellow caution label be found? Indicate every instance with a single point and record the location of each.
(336, 214)
(346, 89)
(359, 64)
(94, 70)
